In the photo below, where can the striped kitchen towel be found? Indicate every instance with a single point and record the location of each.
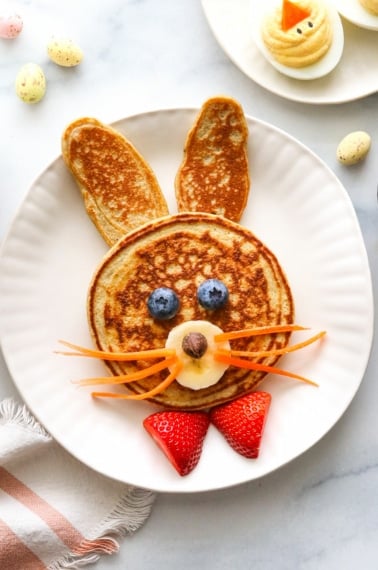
(55, 512)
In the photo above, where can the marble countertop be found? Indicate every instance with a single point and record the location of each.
(319, 511)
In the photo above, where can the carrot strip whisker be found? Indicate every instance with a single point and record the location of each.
(240, 363)
(120, 356)
(159, 388)
(126, 378)
(274, 351)
(221, 337)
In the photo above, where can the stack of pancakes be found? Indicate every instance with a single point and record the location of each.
(183, 250)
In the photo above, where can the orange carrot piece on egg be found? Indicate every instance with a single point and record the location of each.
(292, 14)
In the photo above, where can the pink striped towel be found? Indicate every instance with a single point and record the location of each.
(56, 513)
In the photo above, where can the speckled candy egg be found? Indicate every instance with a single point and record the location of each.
(10, 26)
(64, 52)
(30, 83)
(353, 148)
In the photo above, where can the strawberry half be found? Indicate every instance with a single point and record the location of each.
(242, 422)
(180, 435)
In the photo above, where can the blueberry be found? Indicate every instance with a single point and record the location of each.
(212, 294)
(163, 303)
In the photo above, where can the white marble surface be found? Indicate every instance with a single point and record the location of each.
(320, 512)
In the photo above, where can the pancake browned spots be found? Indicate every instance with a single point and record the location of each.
(119, 188)
(180, 252)
(214, 175)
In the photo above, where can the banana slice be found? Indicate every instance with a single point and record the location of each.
(200, 370)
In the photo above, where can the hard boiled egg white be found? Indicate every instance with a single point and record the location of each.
(258, 11)
(353, 11)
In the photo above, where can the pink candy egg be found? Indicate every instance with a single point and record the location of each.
(10, 26)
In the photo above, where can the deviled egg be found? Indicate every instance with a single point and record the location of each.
(303, 39)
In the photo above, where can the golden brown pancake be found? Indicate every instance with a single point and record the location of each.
(214, 175)
(119, 189)
(180, 252)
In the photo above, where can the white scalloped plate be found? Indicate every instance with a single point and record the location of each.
(296, 206)
(229, 21)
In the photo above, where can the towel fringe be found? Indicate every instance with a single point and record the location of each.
(18, 414)
(74, 562)
(134, 508)
(128, 515)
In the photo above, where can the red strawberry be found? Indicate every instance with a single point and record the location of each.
(180, 435)
(242, 422)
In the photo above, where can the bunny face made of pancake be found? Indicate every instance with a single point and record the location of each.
(188, 311)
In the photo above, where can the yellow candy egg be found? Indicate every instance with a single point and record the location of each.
(30, 83)
(353, 148)
(64, 52)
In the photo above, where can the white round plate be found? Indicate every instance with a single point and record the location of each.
(258, 12)
(355, 13)
(229, 21)
(297, 207)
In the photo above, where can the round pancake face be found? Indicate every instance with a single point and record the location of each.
(181, 252)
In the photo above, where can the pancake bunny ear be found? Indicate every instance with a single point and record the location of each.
(119, 188)
(214, 175)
